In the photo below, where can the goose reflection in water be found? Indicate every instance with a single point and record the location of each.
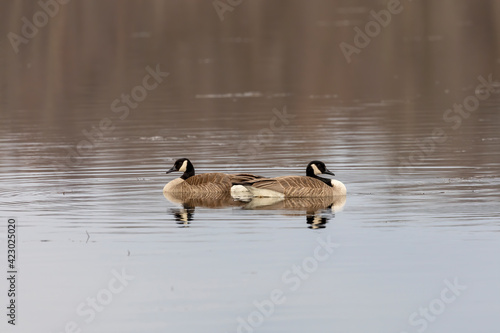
(189, 202)
(318, 211)
(183, 215)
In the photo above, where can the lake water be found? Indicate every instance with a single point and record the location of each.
(408, 125)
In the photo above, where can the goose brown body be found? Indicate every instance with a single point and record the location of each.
(203, 199)
(298, 186)
(207, 183)
(295, 187)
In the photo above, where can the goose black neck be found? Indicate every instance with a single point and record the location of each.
(324, 180)
(310, 172)
(189, 171)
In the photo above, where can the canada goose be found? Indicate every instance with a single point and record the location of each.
(310, 185)
(190, 183)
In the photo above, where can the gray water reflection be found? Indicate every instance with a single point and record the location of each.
(317, 211)
(264, 91)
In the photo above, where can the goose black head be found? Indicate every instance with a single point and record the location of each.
(316, 168)
(183, 165)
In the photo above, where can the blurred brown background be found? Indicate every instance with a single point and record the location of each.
(91, 49)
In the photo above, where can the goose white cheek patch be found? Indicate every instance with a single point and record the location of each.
(316, 170)
(183, 167)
